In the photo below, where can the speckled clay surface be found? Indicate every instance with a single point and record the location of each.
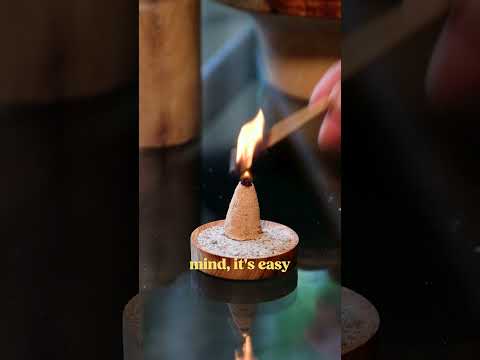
(275, 239)
(360, 320)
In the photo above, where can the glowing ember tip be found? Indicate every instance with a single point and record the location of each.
(246, 178)
(250, 136)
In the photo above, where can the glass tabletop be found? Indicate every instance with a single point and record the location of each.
(199, 316)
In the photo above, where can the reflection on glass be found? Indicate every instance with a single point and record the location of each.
(243, 316)
(291, 317)
(246, 353)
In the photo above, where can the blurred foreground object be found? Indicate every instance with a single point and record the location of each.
(169, 50)
(331, 9)
(63, 50)
(299, 48)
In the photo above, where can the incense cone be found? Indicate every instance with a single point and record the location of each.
(243, 316)
(243, 216)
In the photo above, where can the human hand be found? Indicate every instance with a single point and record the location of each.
(329, 136)
(454, 71)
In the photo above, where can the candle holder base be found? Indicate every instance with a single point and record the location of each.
(222, 262)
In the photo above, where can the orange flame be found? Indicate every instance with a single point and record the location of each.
(251, 134)
(246, 352)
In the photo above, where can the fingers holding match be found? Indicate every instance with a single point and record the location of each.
(329, 136)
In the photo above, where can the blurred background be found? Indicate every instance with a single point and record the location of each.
(68, 183)
(410, 237)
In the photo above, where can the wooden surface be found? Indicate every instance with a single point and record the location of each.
(198, 254)
(296, 52)
(169, 51)
(331, 9)
(65, 49)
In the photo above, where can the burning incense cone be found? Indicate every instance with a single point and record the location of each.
(219, 248)
(243, 216)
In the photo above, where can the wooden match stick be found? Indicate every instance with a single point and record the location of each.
(360, 49)
(285, 127)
